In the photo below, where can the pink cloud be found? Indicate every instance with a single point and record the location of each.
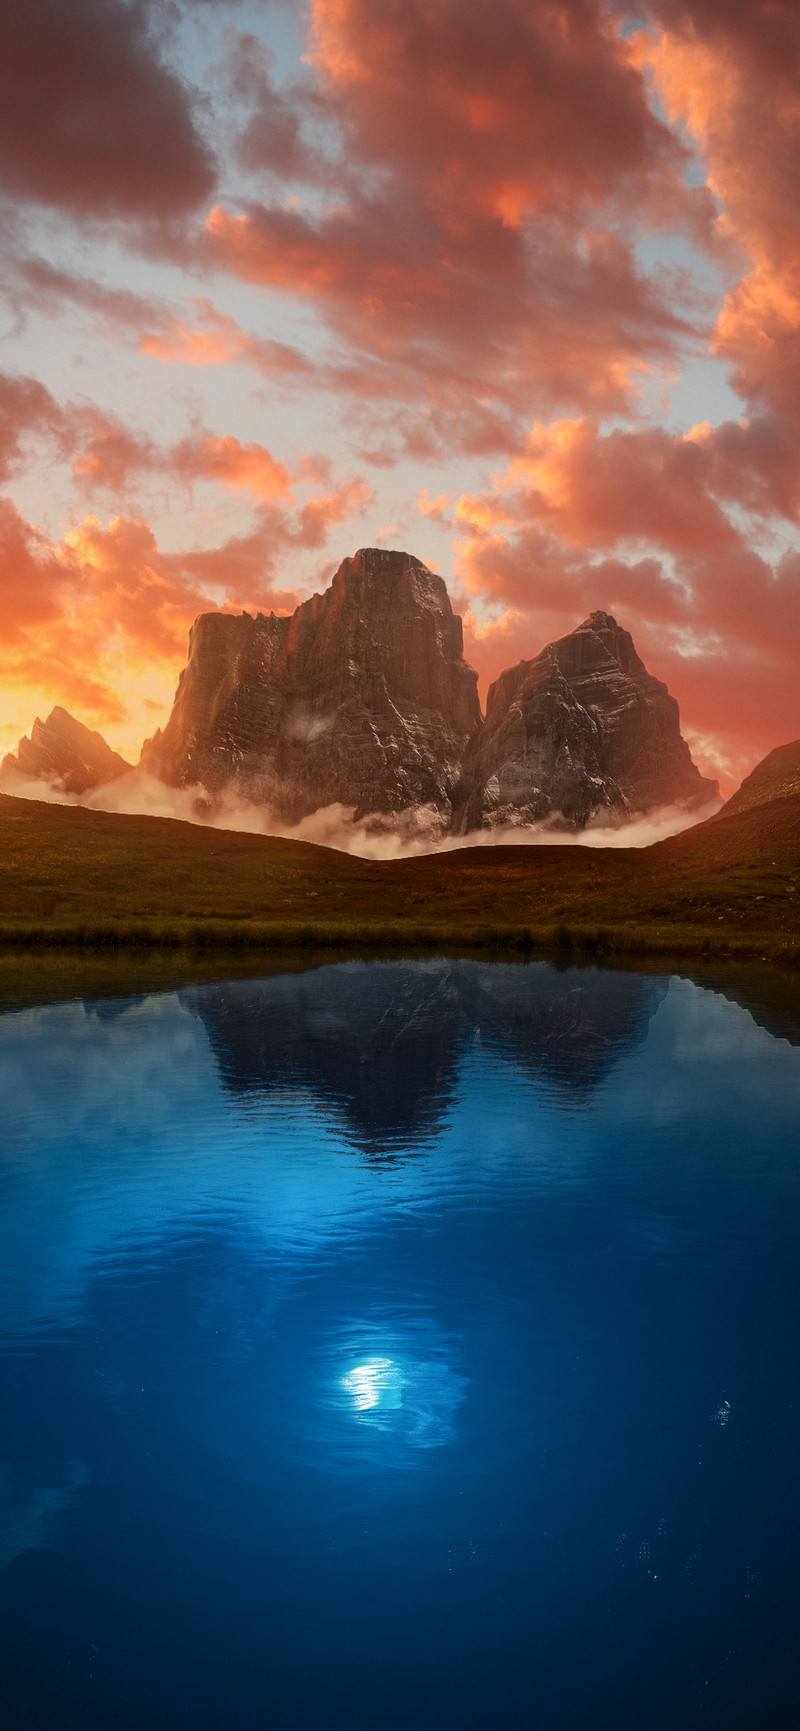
(26, 408)
(637, 523)
(475, 250)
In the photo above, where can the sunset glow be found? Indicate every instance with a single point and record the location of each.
(514, 287)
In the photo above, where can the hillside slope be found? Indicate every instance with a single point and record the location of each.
(69, 876)
(775, 777)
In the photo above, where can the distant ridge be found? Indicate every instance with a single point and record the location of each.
(775, 777)
(66, 754)
(760, 822)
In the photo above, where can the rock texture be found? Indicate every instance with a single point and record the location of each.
(582, 734)
(361, 697)
(66, 754)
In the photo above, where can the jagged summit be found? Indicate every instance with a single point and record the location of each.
(65, 753)
(361, 697)
(581, 734)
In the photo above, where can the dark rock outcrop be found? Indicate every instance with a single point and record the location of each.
(66, 754)
(361, 698)
(581, 734)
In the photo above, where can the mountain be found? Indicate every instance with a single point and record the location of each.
(361, 697)
(759, 824)
(77, 876)
(581, 734)
(775, 777)
(65, 753)
(381, 1044)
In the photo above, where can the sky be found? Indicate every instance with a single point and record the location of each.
(511, 284)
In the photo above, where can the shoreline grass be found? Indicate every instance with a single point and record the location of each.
(357, 936)
(74, 879)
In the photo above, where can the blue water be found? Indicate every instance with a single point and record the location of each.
(400, 1344)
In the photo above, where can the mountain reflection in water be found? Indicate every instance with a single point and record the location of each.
(383, 1040)
(404, 1340)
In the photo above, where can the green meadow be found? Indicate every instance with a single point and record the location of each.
(73, 878)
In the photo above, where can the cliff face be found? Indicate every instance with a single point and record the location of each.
(582, 733)
(67, 755)
(361, 697)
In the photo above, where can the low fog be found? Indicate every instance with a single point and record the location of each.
(377, 837)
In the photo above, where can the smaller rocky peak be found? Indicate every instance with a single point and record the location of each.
(581, 734)
(65, 753)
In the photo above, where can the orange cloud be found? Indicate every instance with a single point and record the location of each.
(192, 346)
(108, 456)
(505, 110)
(99, 621)
(242, 467)
(216, 339)
(644, 486)
(33, 577)
(729, 72)
(474, 253)
(560, 534)
(436, 507)
(26, 409)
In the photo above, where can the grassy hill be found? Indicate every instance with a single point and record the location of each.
(775, 777)
(75, 877)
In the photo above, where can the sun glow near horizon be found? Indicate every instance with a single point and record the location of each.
(516, 296)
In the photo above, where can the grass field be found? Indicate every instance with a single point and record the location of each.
(72, 877)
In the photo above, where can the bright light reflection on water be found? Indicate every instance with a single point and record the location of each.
(383, 1409)
(379, 1382)
(411, 1341)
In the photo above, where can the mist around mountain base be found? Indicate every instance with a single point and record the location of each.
(403, 835)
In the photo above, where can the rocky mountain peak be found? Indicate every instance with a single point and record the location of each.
(581, 734)
(65, 753)
(361, 697)
(598, 621)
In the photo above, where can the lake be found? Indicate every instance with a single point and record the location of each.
(401, 1344)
